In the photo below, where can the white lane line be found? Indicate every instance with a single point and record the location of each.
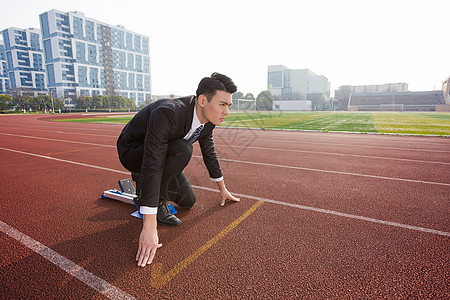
(246, 162)
(79, 133)
(257, 139)
(334, 144)
(337, 154)
(69, 127)
(329, 171)
(354, 136)
(57, 140)
(91, 280)
(65, 161)
(336, 213)
(261, 148)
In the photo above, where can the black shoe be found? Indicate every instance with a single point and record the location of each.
(165, 216)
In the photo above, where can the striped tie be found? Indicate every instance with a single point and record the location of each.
(194, 137)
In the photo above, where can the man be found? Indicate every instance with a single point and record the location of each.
(156, 146)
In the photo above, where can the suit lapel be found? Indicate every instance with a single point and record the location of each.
(190, 114)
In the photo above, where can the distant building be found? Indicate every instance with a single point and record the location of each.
(298, 84)
(342, 95)
(86, 57)
(4, 81)
(24, 62)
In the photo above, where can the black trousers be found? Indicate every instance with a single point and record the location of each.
(175, 186)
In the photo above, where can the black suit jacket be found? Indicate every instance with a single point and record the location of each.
(142, 144)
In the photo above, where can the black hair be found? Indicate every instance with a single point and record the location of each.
(217, 82)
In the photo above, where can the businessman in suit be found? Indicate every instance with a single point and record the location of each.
(156, 146)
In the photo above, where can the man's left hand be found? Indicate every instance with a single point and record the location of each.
(226, 195)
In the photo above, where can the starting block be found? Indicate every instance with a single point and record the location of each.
(127, 194)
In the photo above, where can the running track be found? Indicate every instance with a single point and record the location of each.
(322, 215)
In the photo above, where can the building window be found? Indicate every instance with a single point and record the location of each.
(80, 52)
(92, 54)
(137, 43)
(138, 63)
(20, 37)
(77, 27)
(25, 79)
(37, 61)
(82, 76)
(39, 82)
(23, 59)
(34, 41)
(274, 79)
(90, 31)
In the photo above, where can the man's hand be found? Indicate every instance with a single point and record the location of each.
(148, 241)
(226, 195)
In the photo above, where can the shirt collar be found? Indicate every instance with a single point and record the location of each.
(195, 121)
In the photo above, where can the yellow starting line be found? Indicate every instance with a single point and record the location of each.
(158, 279)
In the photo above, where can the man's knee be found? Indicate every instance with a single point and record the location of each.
(186, 202)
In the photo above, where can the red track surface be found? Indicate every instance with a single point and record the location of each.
(295, 245)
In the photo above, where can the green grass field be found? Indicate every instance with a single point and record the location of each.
(420, 123)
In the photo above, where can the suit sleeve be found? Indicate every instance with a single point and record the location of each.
(157, 137)
(210, 156)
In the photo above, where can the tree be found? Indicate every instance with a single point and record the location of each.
(118, 101)
(22, 101)
(147, 101)
(6, 102)
(42, 102)
(97, 101)
(237, 95)
(107, 103)
(131, 104)
(84, 102)
(249, 96)
(264, 101)
(33, 104)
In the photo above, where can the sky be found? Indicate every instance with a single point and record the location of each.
(349, 42)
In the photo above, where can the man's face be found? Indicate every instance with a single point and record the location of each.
(216, 110)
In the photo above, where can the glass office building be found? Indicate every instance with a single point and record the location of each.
(86, 57)
(4, 81)
(23, 71)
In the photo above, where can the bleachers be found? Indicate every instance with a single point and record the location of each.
(409, 101)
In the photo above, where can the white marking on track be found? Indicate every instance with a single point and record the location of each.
(331, 212)
(330, 172)
(336, 213)
(65, 161)
(57, 140)
(261, 148)
(337, 154)
(91, 280)
(345, 145)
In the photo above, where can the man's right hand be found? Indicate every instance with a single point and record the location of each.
(148, 241)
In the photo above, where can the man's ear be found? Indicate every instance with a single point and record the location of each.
(202, 100)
